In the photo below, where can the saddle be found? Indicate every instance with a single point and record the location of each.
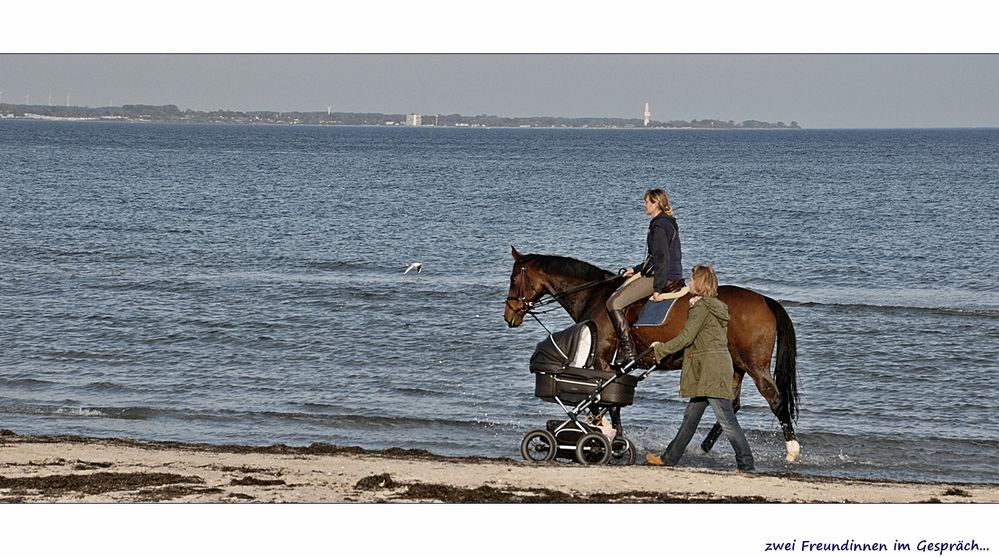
(654, 313)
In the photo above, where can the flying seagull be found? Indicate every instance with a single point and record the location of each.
(418, 267)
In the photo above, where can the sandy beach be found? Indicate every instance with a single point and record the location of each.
(87, 470)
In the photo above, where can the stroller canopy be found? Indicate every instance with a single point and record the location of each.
(572, 347)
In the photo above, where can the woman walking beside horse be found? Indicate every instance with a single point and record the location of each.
(659, 274)
(706, 375)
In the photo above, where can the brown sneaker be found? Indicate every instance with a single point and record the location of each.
(653, 460)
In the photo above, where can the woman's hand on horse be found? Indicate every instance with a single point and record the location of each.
(657, 349)
(627, 272)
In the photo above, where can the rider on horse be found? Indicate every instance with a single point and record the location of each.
(660, 274)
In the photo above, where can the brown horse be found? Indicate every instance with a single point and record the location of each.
(757, 325)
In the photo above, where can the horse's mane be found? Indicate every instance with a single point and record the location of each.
(559, 265)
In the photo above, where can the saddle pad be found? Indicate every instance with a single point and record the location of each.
(654, 313)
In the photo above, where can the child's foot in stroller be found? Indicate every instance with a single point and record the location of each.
(656, 460)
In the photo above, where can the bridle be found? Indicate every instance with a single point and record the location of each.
(528, 307)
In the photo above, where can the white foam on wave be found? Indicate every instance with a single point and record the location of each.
(957, 299)
(83, 412)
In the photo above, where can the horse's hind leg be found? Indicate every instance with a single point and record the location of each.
(765, 384)
(716, 429)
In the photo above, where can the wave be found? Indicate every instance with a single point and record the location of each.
(335, 265)
(158, 285)
(87, 356)
(107, 387)
(332, 420)
(371, 421)
(46, 253)
(876, 440)
(120, 413)
(938, 458)
(212, 323)
(419, 391)
(929, 310)
(27, 382)
(131, 228)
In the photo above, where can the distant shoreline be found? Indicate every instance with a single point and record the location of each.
(4, 118)
(429, 127)
(172, 114)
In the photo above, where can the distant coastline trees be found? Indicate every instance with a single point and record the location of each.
(171, 113)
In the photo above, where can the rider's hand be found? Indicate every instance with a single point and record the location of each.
(629, 271)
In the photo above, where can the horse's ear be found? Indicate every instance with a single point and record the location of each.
(516, 254)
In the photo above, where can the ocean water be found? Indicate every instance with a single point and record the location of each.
(243, 284)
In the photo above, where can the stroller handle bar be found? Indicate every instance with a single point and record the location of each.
(632, 364)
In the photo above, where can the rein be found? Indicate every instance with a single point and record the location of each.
(552, 298)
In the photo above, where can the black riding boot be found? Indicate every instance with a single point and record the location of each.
(625, 347)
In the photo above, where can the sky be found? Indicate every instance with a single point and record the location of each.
(848, 64)
(816, 90)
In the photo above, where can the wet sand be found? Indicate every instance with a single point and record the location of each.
(87, 470)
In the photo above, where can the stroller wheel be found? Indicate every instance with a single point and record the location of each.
(623, 451)
(538, 446)
(593, 448)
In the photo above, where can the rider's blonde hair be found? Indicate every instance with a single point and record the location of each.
(703, 281)
(661, 200)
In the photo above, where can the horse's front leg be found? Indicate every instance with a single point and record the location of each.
(615, 413)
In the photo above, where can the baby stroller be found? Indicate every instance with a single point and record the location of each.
(590, 398)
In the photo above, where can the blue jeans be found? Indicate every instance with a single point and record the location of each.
(730, 425)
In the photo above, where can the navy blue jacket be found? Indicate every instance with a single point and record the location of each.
(664, 252)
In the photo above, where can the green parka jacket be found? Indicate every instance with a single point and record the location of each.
(707, 364)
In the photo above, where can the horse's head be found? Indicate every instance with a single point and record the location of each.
(526, 286)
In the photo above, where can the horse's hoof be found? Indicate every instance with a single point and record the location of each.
(793, 450)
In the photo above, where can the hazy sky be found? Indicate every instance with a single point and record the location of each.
(816, 90)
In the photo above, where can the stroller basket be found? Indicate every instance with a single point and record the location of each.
(561, 367)
(575, 384)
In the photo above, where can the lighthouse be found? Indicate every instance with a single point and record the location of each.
(646, 116)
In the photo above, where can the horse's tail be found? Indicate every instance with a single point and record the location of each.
(785, 370)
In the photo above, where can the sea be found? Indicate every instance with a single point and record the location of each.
(244, 283)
